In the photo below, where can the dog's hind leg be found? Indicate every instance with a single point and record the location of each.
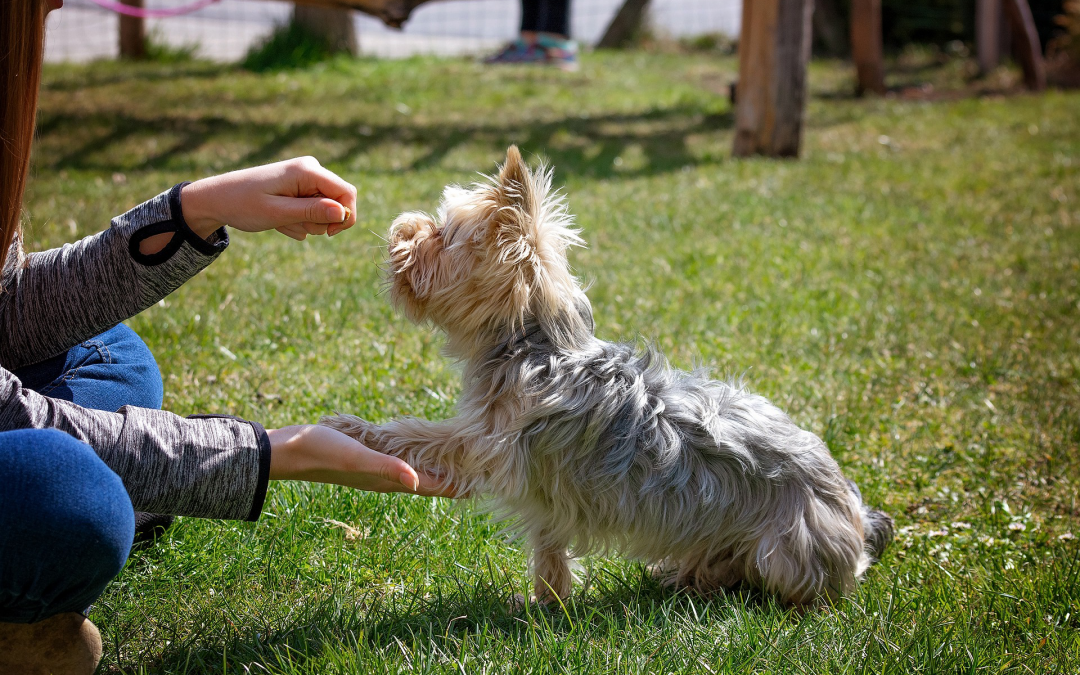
(718, 571)
(552, 578)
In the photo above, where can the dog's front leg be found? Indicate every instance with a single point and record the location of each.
(436, 448)
(355, 427)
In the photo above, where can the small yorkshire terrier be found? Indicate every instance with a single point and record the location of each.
(593, 446)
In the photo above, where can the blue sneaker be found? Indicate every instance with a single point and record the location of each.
(518, 51)
(558, 52)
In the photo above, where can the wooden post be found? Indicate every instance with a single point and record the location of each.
(988, 34)
(623, 26)
(866, 47)
(1026, 43)
(774, 49)
(132, 33)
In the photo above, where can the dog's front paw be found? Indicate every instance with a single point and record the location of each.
(354, 427)
(519, 603)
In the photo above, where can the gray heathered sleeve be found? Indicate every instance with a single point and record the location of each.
(53, 300)
(213, 467)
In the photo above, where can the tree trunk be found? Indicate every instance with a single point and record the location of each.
(132, 33)
(774, 49)
(1026, 44)
(333, 24)
(623, 26)
(866, 47)
(988, 34)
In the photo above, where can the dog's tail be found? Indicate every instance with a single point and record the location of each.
(878, 527)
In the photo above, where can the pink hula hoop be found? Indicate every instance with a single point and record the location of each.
(142, 13)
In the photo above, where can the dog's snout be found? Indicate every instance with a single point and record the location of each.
(410, 226)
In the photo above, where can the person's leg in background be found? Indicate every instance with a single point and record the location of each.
(66, 527)
(545, 36)
(107, 372)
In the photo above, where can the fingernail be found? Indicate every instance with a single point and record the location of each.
(409, 481)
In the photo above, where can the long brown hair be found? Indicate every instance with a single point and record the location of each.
(22, 34)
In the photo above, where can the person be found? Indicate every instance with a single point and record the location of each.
(83, 443)
(545, 36)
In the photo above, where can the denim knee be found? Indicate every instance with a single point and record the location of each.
(66, 525)
(106, 372)
(143, 377)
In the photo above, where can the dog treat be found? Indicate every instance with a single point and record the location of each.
(592, 446)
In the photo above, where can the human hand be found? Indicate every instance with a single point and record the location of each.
(296, 197)
(323, 455)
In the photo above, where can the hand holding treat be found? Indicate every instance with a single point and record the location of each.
(296, 197)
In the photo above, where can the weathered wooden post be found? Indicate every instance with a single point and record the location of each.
(1026, 43)
(132, 33)
(988, 34)
(774, 49)
(866, 47)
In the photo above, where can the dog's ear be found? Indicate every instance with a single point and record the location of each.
(515, 184)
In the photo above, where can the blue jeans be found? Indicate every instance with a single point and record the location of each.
(66, 522)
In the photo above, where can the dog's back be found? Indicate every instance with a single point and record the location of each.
(619, 451)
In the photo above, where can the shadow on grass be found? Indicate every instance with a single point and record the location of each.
(612, 605)
(664, 134)
(70, 78)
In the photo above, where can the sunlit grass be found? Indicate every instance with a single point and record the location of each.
(908, 290)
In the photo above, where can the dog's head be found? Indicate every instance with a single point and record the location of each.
(492, 259)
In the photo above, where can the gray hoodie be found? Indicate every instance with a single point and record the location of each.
(208, 466)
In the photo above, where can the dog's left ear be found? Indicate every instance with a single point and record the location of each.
(515, 182)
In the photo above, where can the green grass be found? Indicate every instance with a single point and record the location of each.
(908, 290)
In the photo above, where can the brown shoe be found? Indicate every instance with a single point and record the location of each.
(65, 644)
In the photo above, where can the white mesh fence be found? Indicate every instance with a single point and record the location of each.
(225, 31)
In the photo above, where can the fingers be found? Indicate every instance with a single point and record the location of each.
(408, 480)
(314, 180)
(317, 212)
(295, 231)
(436, 486)
(404, 474)
(329, 184)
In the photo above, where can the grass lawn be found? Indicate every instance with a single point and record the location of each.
(908, 290)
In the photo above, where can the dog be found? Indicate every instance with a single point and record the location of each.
(596, 447)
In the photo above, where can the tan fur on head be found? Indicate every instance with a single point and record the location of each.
(594, 446)
(494, 255)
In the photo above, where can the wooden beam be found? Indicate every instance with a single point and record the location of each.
(624, 24)
(1026, 43)
(988, 34)
(866, 47)
(393, 13)
(774, 49)
(132, 33)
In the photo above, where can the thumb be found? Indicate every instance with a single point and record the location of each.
(398, 471)
(315, 210)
